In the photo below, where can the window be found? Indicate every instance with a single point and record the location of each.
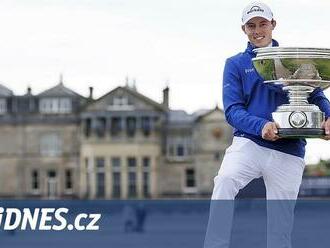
(146, 192)
(100, 126)
(146, 176)
(3, 106)
(190, 178)
(180, 151)
(52, 189)
(132, 184)
(50, 145)
(100, 162)
(55, 105)
(115, 162)
(120, 101)
(87, 127)
(179, 147)
(130, 126)
(35, 180)
(100, 177)
(116, 184)
(65, 105)
(146, 162)
(146, 125)
(115, 126)
(68, 179)
(51, 174)
(131, 162)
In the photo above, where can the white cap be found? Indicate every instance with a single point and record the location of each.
(256, 9)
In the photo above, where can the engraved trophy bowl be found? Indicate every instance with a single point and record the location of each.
(298, 71)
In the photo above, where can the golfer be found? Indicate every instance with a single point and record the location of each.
(257, 150)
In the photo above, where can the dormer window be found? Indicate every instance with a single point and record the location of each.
(3, 106)
(120, 103)
(55, 105)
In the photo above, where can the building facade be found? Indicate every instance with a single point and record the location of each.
(59, 144)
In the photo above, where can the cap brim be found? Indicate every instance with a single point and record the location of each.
(257, 15)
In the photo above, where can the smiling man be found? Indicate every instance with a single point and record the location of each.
(257, 150)
(258, 24)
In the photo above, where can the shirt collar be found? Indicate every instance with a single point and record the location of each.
(250, 46)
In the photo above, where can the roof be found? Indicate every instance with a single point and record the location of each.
(59, 90)
(199, 113)
(143, 97)
(205, 112)
(135, 94)
(180, 116)
(4, 91)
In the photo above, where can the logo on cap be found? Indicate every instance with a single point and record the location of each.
(255, 9)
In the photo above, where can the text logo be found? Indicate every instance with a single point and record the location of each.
(249, 70)
(255, 9)
(47, 219)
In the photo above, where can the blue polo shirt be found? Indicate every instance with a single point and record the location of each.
(249, 103)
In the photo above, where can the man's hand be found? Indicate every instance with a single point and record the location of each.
(269, 131)
(326, 126)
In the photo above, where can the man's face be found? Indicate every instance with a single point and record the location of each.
(259, 31)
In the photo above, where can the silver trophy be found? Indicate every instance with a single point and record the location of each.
(298, 71)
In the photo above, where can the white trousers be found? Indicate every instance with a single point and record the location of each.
(244, 161)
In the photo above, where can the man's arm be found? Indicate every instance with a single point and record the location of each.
(318, 98)
(235, 110)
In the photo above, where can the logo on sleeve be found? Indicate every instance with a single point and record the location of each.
(249, 70)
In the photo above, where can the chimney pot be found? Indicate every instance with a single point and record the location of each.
(166, 100)
(91, 92)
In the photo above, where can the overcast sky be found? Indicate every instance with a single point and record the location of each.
(180, 43)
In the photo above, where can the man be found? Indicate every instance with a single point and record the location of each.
(257, 150)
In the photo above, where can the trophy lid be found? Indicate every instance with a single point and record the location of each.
(294, 65)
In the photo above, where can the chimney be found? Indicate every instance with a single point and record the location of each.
(166, 97)
(91, 92)
(29, 90)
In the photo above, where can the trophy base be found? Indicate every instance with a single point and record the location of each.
(301, 132)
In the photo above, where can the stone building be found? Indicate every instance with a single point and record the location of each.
(59, 144)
